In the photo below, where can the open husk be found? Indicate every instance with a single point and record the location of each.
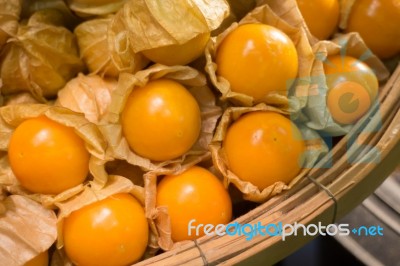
(86, 8)
(195, 82)
(152, 24)
(26, 230)
(281, 17)
(9, 16)
(93, 46)
(116, 184)
(90, 95)
(11, 116)
(315, 114)
(315, 149)
(119, 149)
(159, 214)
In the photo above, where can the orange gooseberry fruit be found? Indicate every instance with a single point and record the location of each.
(40, 260)
(47, 157)
(179, 54)
(321, 16)
(161, 120)
(113, 232)
(263, 148)
(378, 22)
(352, 88)
(194, 194)
(257, 59)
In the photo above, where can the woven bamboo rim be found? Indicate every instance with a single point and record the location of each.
(326, 195)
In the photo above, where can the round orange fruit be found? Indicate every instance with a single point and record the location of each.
(40, 260)
(179, 54)
(321, 16)
(162, 120)
(352, 88)
(257, 59)
(264, 148)
(113, 232)
(47, 157)
(194, 194)
(378, 22)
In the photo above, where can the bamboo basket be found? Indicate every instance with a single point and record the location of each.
(325, 195)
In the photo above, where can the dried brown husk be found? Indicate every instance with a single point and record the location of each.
(283, 17)
(31, 7)
(238, 9)
(59, 258)
(345, 10)
(159, 214)
(87, 8)
(195, 82)
(152, 24)
(47, 16)
(20, 98)
(40, 59)
(315, 114)
(93, 46)
(26, 230)
(115, 185)
(290, 12)
(90, 95)
(315, 148)
(9, 16)
(13, 115)
(241, 8)
(1, 96)
(121, 47)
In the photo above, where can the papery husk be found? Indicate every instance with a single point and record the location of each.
(159, 214)
(1, 96)
(345, 10)
(40, 59)
(115, 185)
(280, 16)
(152, 24)
(9, 16)
(315, 148)
(290, 12)
(47, 16)
(26, 230)
(238, 9)
(20, 98)
(90, 95)
(195, 82)
(316, 114)
(31, 7)
(11, 116)
(87, 8)
(121, 48)
(93, 46)
(59, 258)
(241, 8)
